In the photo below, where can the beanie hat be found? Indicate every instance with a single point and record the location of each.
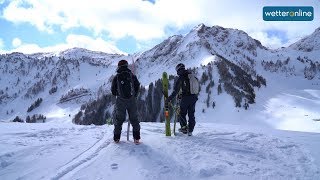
(122, 63)
(180, 66)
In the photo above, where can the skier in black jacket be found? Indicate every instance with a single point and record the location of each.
(188, 100)
(125, 87)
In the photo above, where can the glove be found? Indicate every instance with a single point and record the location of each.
(164, 94)
(169, 99)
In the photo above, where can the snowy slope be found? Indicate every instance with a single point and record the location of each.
(202, 44)
(309, 43)
(287, 103)
(78, 68)
(28, 77)
(216, 151)
(289, 71)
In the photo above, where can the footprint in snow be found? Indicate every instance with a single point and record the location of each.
(114, 166)
(164, 169)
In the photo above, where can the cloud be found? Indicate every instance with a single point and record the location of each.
(72, 40)
(146, 21)
(87, 42)
(16, 42)
(117, 18)
(270, 42)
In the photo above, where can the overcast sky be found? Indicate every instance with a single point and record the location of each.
(134, 25)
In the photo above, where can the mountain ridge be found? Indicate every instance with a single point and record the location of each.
(79, 70)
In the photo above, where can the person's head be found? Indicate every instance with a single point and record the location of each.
(180, 68)
(122, 63)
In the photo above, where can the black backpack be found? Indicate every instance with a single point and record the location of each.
(125, 84)
(185, 86)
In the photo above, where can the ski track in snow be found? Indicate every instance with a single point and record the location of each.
(240, 154)
(83, 158)
(44, 148)
(214, 152)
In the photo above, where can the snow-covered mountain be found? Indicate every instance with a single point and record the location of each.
(51, 76)
(202, 44)
(199, 47)
(309, 43)
(235, 71)
(243, 85)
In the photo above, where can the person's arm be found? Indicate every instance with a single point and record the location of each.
(136, 84)
(114, 86)
(176, 88)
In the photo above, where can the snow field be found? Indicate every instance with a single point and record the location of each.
(216, 151)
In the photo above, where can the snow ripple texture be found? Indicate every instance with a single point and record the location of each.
(213, 152)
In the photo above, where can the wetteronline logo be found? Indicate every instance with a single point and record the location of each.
(288, 13)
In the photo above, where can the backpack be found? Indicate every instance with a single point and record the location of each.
(125, 85)
(194, 84)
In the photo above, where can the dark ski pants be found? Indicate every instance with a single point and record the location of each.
(187, 106)
(119, 116)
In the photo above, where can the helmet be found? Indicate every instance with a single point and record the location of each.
(122, 63)
(180, 66)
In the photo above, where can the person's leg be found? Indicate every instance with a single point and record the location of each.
(183, 113)
(191, 110)
(119, 118)
(133, 117)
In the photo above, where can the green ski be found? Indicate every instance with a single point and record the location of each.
(165, 85)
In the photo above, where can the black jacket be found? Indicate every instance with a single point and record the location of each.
(183, 83)
(136, 83)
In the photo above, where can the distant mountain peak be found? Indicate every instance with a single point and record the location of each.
(308, 43)
(199, 27)
(74, 50)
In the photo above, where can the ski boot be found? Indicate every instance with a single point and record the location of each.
(136, 141)
(183, 129)
(116, 138)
